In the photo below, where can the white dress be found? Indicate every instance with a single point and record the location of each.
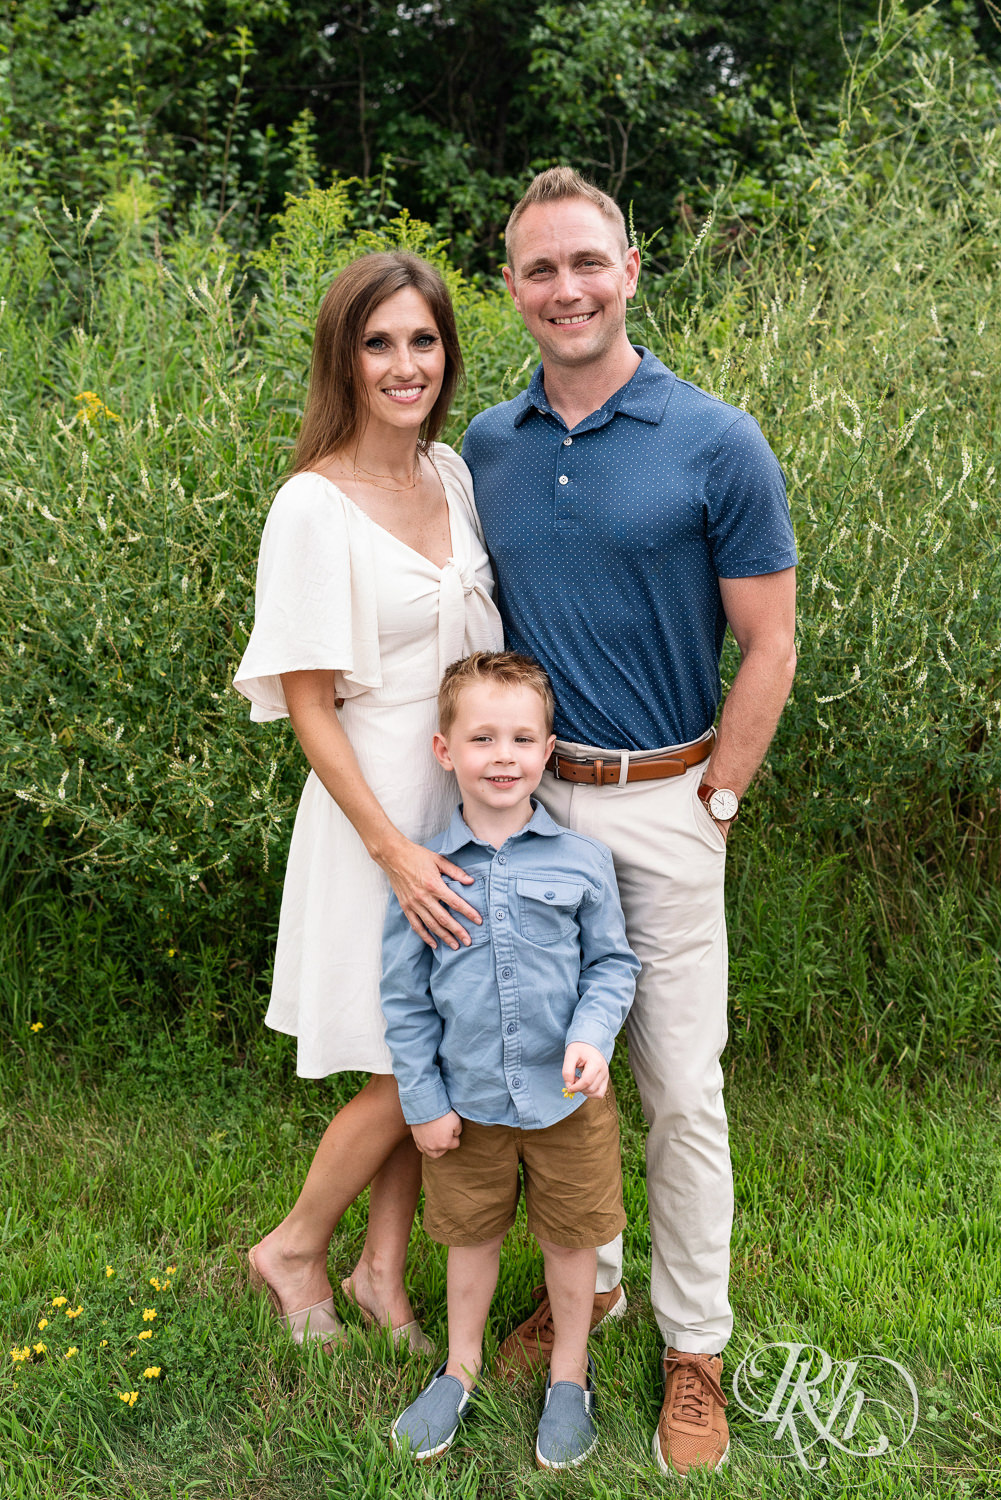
(337, 591)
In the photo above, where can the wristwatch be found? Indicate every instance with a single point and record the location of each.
(721, 803)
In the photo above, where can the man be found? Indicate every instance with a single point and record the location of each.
(631, 517)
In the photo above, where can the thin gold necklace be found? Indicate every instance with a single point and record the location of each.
(358, 469)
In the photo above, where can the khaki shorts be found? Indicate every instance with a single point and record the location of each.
(573, 1181)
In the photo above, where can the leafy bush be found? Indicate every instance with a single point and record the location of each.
(152, 384)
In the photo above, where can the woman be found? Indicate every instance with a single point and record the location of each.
(371, 579)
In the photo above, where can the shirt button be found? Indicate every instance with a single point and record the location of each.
(512, 1028)
(516, 1083)
(502, 859)
(506, 973)
(567, 442)
(499, 916)
(564, 479)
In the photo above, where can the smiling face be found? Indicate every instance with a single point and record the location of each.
(497, 745)
(571, 278)
(401, 363)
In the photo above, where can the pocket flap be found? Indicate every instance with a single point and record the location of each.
(550, 892)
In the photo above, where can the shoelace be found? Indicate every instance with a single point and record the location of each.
(694, 1388)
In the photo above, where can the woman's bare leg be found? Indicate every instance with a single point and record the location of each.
(376, 1283)
(356, 1146)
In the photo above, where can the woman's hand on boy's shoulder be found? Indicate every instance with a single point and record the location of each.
(438, 1136)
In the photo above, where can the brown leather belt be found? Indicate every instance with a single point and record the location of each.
(596, 771)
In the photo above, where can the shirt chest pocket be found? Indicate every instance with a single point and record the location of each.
(476, 896)
(547, 908)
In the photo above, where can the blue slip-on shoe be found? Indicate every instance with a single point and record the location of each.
(567, 1429)
(427, 1428)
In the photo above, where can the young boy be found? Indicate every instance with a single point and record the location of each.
(501, 1049)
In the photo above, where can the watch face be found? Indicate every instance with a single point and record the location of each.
(723, 804)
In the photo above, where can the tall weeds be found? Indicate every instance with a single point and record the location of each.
(151, 386)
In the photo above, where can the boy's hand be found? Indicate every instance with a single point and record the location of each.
(438, 1136)
(585, 1071)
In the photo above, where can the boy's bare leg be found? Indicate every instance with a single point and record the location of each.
(472, 1277)
(570, 1278)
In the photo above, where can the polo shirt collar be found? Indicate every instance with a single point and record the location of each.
(644, 396)
(459, 833)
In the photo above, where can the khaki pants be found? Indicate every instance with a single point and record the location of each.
(669, 862)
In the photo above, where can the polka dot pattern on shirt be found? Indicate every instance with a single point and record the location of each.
(609, 542)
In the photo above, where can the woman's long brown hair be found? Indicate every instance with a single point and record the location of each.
(336, 403)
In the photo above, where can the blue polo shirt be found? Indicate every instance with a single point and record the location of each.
(608, 542)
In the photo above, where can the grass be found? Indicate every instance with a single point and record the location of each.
(868, 1217)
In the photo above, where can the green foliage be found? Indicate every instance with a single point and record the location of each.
(225, 109)
(152, 382)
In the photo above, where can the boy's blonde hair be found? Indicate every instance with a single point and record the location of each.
(505, 668)
(555, 186)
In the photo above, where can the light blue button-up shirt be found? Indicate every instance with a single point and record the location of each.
(483, 1030)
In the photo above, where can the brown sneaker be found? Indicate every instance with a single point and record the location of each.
(692, 1430)
(530, 1346)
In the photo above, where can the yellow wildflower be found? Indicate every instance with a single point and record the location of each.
(109, 1270)
(37, 1026)
(74, 1312)
(93, 407)
(171, 952)
(147, 1333)
(41, 1348)
(42, 1323)
(171, 1270)
(153, 1373)
(20, 1355)
(71, 1351)
(104, 1343)
(129, 1397)
(59, 1301)
(154, 1283)
(165, 1286)
(149, 1313)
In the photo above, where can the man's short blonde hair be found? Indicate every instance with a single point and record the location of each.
(504, 668)
(556, 186)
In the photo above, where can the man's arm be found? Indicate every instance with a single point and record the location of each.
(762, 615)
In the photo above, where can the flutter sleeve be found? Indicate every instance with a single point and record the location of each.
(315, 599)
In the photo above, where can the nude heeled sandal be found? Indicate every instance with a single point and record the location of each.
(409, 1335)
(317, 1324)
